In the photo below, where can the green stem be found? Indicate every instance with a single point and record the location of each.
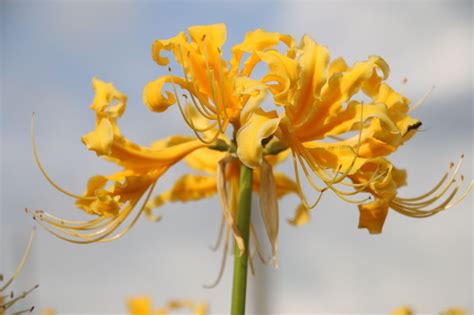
(239, 287)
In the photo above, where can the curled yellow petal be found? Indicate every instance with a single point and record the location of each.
(187, 188)
(259, 126)
(301, 216)
(100, 139)
(153, 93)
(372, 215)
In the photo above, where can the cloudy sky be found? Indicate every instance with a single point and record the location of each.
(51, 50)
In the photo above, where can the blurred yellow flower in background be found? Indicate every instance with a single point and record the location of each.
(143, 306)
(408, 311)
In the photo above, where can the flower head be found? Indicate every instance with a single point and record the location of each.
(217, 89)
(336, 136)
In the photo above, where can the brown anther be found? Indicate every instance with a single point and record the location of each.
(203, 37)
(185, 96)
(31, 309)
(462, 156)
(405, 81)
(451, 165)
(169, 69)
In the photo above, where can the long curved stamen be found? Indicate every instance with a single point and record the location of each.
(220, 234)
(216, 134)
(422, 100)
(22, 262)
(191, 123)
(223, 261)
(70, 224)
(438, 195)
(298, 186)
(419, 213)
(135, 219)
(28, 310)
(330, 185)
(439, 184)
(204, 110)
(307, 175)
(210, 77)
(35, 153)
(86, 238)
(10, 303)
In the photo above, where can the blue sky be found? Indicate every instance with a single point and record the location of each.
(51, 50)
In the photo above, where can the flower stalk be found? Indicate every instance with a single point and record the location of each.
(239, 288)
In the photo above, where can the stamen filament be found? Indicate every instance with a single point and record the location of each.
(22, 262)
(223, 261)
(35, 153)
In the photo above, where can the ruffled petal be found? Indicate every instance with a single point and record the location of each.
(372, 215)
(259, 126)
(153, 93)
(313, 60)
(282, 76)
(187, 188)
(254, 41)
(301, 216)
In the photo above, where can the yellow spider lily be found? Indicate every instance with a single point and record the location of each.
(321, 112)
(331, 133)
(217, 89)
(8, 300)
(114, 197)
(143, 306)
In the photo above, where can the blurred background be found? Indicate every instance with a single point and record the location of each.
(50, 50)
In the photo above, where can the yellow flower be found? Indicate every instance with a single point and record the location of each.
(8, 300)
(113, 198)
(143, 306)
(321, 116)
(322, 106)
(218, 89)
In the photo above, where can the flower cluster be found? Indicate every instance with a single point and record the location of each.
(337, 124)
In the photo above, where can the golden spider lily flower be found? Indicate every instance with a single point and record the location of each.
(143, 306)
(8, 300)
(113, 198)
(218, 89)
(321, 111)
